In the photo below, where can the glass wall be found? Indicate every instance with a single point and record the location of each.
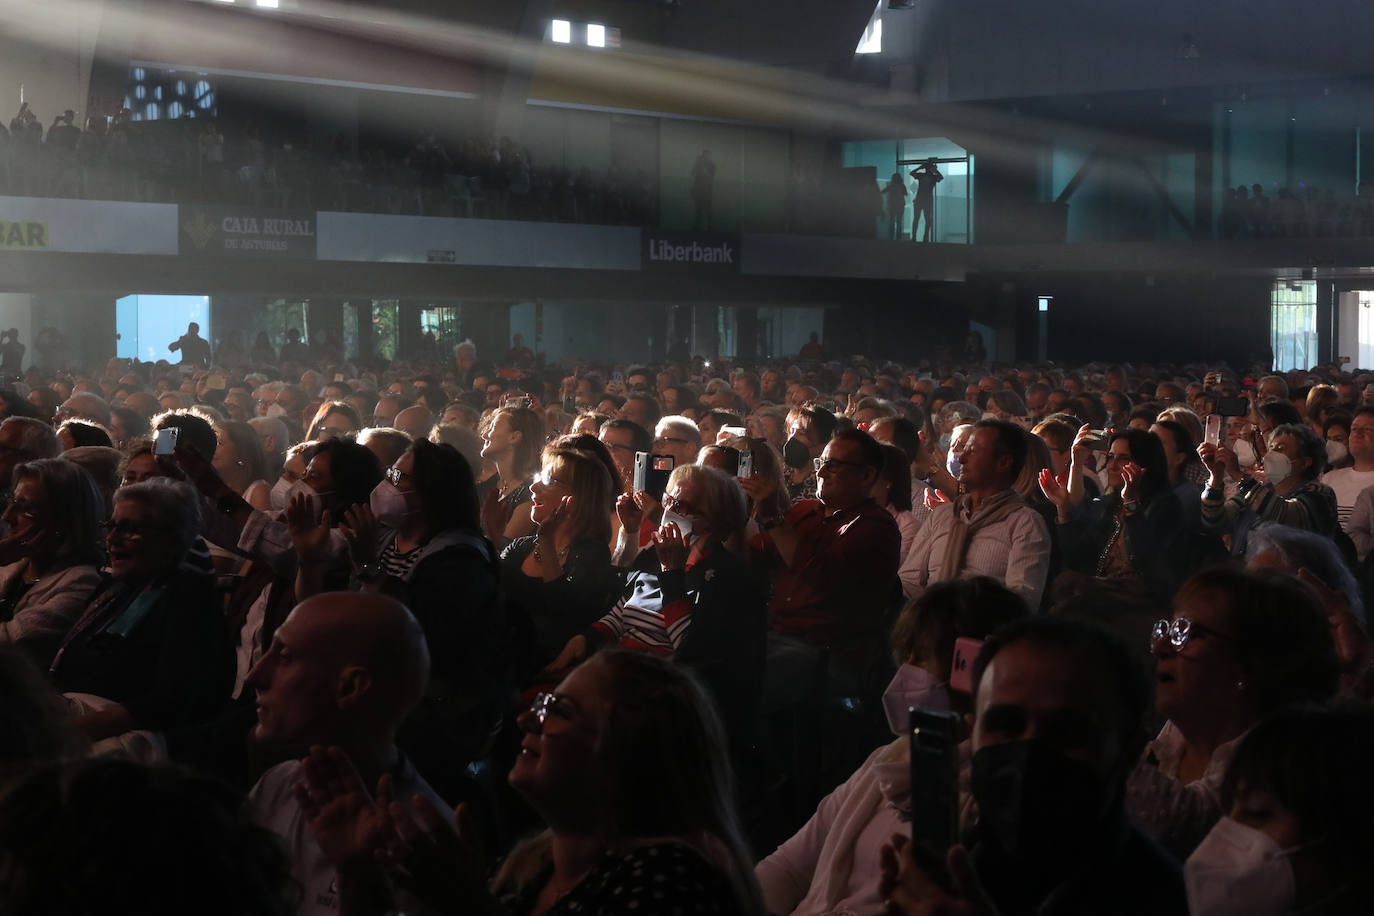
(1293, 324)
(146, 324)
(939, 192)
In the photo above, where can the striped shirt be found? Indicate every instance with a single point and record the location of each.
(655, 613)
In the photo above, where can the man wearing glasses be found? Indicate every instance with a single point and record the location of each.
(834, 561)
(988, 530)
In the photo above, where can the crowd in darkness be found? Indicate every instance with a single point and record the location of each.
(1308, 212)
(250, 164)
(281, 632)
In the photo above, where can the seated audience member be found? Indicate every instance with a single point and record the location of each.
(832, 560)
(1059, 711)
(103, 464)
(461, 439)
(334, 419)
(1336, 432)
(766, 487)
(93, 836)
(892, 491)
(418, 542)
(275, 439)
(1239, 646)
(512, 441)
(1298, 798)
(126, 425)
(241, 464)
(85, 405)
(343, 672)
(76, 433)
(387, 444)
(691, 597)
(561, 578)
(293, 469)
(1120, 540)
(623, 763)
(711, 423)
(642, 409)
(624, 439)
(809, 429)
(53, 555)
(1349, 482)
(678, 437)
(24, 439)
(988, 530)
(1284, 488)
(152, 639)
(1180, 455)
(831, 864)
(1293, 550)
(416, 420)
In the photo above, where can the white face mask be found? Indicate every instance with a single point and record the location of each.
(1277, 468)
(1239, 870)
(953, 465)
(684, 524)
(945, 440)
(389, 505)
(1335, 451)
(912, 685)
(281, 493)
(303, 488)
(1245, 453)
(276, 410)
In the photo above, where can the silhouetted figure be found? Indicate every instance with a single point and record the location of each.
(195, 350)
(11, 354)
(895, 193)
(927, 176)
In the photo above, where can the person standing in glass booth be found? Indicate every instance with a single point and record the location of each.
(927, 175)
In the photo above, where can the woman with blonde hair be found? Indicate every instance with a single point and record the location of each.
(561, 578)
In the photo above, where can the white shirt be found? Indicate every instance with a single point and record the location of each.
(1014, 551)
(275, 808)
(1348, 484)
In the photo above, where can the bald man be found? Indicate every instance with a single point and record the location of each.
(344, 670)
(416, 420)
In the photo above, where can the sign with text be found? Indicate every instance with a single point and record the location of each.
(690, 251)
(247, 232)
(86, 226)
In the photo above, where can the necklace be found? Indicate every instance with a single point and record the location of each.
(562, 554)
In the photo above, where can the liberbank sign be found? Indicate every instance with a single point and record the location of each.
(690, 251)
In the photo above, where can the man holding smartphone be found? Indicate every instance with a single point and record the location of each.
(1059, 714)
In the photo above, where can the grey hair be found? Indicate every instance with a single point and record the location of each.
(968, 413)
(37, 439)
(174, 504)
(1296, 548)
(722, 503)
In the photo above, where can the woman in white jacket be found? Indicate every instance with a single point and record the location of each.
(830, 866)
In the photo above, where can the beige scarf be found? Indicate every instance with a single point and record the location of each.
(994, 509)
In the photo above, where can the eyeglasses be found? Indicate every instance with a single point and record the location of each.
(128, 530)
(1181, 629)
(23, 507)
(395, 475)
(673, 504)
(830, 464)
(546, 704)
(662, 439)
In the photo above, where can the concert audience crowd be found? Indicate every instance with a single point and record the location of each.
(806, 636)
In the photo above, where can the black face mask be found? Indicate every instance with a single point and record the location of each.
(1035, 804)
(795, 453)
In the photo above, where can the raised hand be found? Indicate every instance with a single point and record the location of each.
(670, 547)
(911, 883)
(1053, 490)
(359, 528)
(438, 862)
(309, 535)
(348, 824)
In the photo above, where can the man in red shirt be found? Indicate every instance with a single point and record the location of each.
(834, 564)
